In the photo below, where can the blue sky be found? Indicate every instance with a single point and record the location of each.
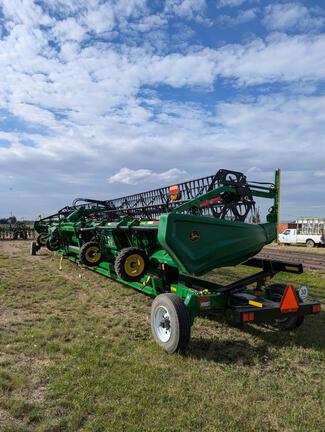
(106, 98)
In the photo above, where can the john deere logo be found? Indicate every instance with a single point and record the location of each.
(195, 235)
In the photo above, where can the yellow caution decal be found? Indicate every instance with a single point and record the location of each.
(291, 268)
(255, 303)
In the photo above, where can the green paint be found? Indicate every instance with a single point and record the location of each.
(185, 242)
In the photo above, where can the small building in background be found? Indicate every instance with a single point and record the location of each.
(287, 225)
(283, 226)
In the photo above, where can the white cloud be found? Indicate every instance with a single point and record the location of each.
(188, 9)
(127, 8)
(149, 23)
(87, 83)
(279, 58)
(69, 29)
(295, 123)
(33, 114)
(179, 70)
(242, 17)
(230, 3)
(286, 16)
(197, 142)
(319, 173)
(134, 177)
(93, 107)
(100, 20)
(25, 12)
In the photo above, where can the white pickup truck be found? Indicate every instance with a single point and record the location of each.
(291, 236)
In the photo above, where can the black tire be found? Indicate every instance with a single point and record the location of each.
(310, 243)
(53, 244)
(90, 254)
(41, 239)
(15, 236)
(171, 331)
(131, 264)
(86, 236)
(287, 323)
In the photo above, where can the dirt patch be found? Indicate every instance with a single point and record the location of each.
(14, 316)
(291, 248)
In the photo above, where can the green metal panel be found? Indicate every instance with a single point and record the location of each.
(198, 244)
(187, 236)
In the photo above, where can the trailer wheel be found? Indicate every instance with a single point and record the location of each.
(53, 244)
(276, 292)
(131, 264)
(310, 243)
(170, 323)
(90, 254)
(41, 239)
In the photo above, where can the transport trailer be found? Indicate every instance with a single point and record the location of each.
(160, 241)
(180, 298)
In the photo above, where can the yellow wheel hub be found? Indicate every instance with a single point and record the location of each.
(92, 254)
(134, 265)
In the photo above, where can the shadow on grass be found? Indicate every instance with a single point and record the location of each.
(241, 352)
(310, 335)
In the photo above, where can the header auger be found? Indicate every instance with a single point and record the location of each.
(159, 241)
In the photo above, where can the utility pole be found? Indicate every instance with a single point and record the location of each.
(277, 185)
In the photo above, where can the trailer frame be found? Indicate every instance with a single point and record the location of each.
(99, 235)
(201, 296)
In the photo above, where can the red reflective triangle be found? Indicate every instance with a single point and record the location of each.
(289, 301)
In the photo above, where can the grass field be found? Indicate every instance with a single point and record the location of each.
(77, 355)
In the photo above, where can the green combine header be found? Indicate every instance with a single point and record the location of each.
(160, 241)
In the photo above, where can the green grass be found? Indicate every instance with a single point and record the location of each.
(77, 355)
